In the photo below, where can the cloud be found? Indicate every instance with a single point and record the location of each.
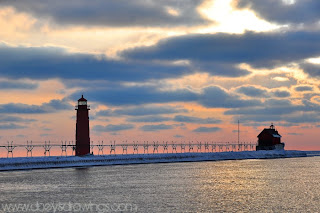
(267, 124)
(11, 126)
(151, 119)
(236, 131)
(268, 108)
(115, 13)
(45, 135)
(303, 88)
(294, 133)
(178, 136)
(252, 91)
(142, 111)
(115, 133)
(6, 85)
(281, 93)
(279, 11)
(218, 68)
(112, 128)
(190, 119)
(308, 117)
(217, 97)
(21, 108)
(56, 105)
(177, 118)
(212, 96)
(207, 129)
(258, 92)
(6, 118)
(153, 128)
(311, 69)
(301, 117)
(258, 49)
(135, 95)
(52, 106)
(42, 63)
(212, 53)
(278, 110)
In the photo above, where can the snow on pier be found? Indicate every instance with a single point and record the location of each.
(25, 163)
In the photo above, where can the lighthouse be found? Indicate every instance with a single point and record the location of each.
(269, 139)
(82, 128)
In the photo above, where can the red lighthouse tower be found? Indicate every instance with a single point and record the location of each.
(82, 128)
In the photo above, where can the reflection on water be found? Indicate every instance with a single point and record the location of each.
(278, 185)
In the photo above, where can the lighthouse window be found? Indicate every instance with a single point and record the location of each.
(82, 103)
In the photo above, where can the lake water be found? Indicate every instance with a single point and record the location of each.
(273, 185)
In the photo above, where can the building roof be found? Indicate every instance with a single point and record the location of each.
(271, 131)
(82, 99)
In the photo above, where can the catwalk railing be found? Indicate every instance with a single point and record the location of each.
(136, 147)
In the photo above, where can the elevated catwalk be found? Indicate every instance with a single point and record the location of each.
(134, 147)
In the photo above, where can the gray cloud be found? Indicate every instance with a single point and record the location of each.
(149, 119)
(45, 135)
(190, 119)
(6, 118)
(135, 95)
(112, 128)
(278, 110)
(46, 129)
(207, 129)
(213, 97)
(214, 53)
(274, 107)
(216, 97)
(45, 63)
(142, 111)
(294, 133)
(303, 118)
(21, 108)
(303, 88)
(177, 118)
(281, 93)
(56, 105)
(113, 12)
(52, 106)
(311, 69)
(292, 116)
(267, 124)
(252, 91)
(259, 49)
(302, 11)
(153, 128)
(11, 126)
(6, 85)
(219, 68)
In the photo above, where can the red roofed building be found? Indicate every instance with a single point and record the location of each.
(269, 139)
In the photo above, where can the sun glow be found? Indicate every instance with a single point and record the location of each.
(314, 60)
(230, 20)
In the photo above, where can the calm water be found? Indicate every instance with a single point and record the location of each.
(277, 185)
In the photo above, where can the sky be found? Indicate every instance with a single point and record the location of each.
(169, 70)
